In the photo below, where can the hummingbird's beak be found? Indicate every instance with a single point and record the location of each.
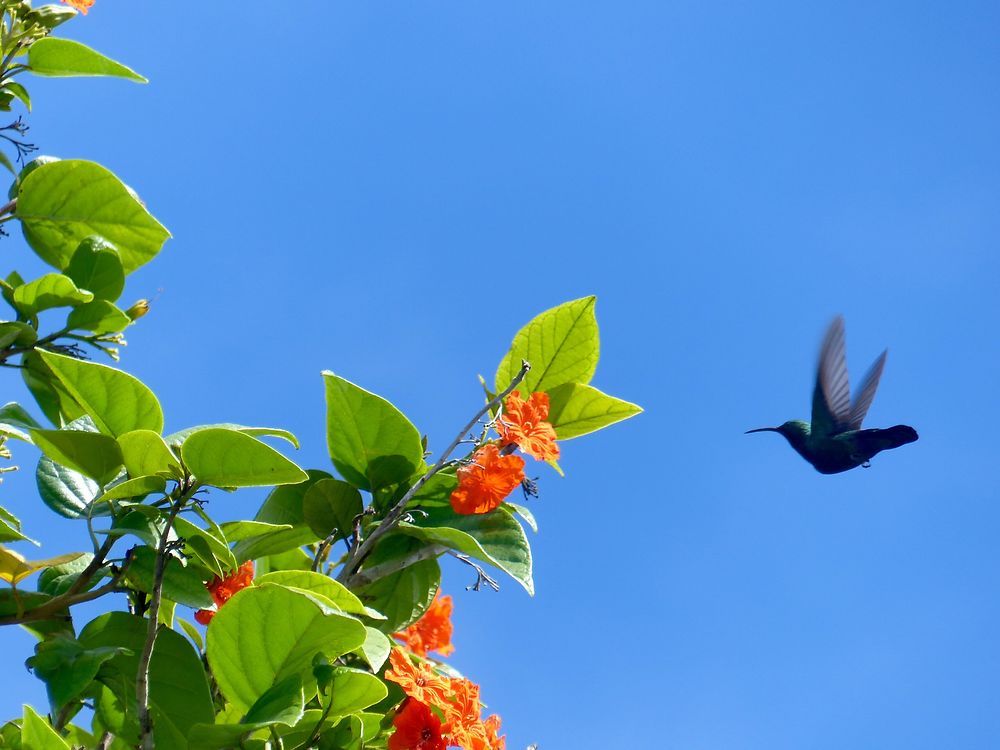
(763, 429)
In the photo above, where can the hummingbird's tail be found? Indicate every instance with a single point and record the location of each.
(875, 441)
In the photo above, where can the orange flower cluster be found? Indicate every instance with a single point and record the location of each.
(523, 423)
(222, 590)
(80, 5)
(432, 632)
(458, 701)
(484, 483)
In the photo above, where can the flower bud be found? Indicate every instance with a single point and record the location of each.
(137, 310)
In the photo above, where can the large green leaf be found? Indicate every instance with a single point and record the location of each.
(53, 56)
(66, 491)
(267, 633)
(116, 401)
(316, 583)
(181, 435)
(145, 454)
(63, 202)
(576, 409)
(97, 267)
(91, 453)
(48, 291)
(331, 506)
(282, 506)
(99, 316)
(228, 458)
(370, 441)
(561, 344)
(57, 579)
(178, 688)
(496, 538)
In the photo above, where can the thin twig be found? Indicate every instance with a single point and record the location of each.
(185, 490)
(391, 519)
(373, 573)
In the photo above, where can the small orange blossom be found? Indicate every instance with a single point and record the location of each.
(432, 632)
(484, 483)
(222, 590)
(524, 424)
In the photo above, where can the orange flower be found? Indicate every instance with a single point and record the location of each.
(463, 725)
(222, 590)
(417, 728)
(432, 632)
(523, 423)
(484, 483)
(419, 682)
(80, 5)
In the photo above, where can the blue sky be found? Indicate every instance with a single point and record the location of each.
(391, 190)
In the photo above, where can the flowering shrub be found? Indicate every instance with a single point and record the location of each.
(301, 654)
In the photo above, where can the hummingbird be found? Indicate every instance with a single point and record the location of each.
(834, 441)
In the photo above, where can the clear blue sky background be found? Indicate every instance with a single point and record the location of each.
(391, 190)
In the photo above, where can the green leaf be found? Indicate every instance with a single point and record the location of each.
(284, 703)
(67, 668)
(332, 591)
(17, 333)
(403, 596)
(182, 435)
(180, 584)
(52, 56)
(354, 690)
(576, 409)
(10, 528)
(38, 734)
(370, 441)
(116, 401)
(91, 453)
(133, 488)
(523, 512)
(495, 538)
(7, 163)
(178, 687)
(48, 291)
(192, 632)
(375, 650)
(20, 92)
(58, 579)
(561, 344)
(268, 633)
(61, 203)
(227, 458)
(331, 505)
(237, 531)
(99, 316)
(210, 549)
(282, 506)
(66, 491)
(145, 454)
(97, 267)
(49, 16)
(56, 404)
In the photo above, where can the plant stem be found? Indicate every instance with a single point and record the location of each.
(185, 490)
(391, 520)
(373, 573)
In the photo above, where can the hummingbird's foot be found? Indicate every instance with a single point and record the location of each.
(866, 465)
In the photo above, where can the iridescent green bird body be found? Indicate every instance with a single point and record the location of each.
(834, 441)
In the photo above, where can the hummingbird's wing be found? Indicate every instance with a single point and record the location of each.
(831, 412)
(866, 392)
